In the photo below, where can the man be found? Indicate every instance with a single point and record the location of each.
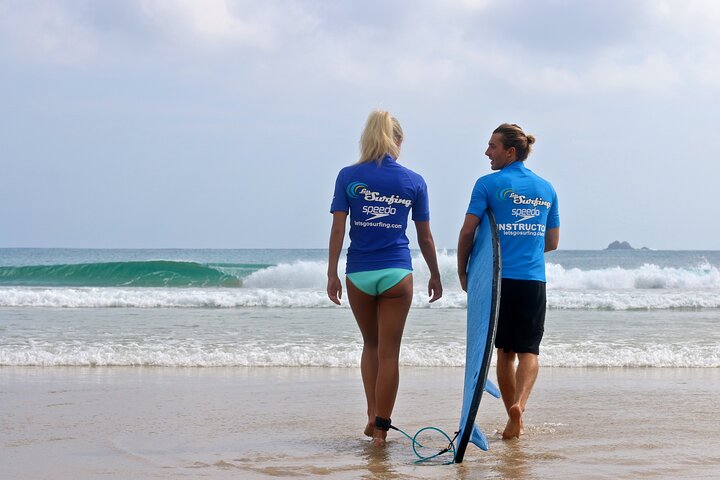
(526, 210)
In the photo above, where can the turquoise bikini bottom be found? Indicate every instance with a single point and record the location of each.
(375, 282)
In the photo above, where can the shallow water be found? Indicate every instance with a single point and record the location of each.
(266, 422)
(330, 338)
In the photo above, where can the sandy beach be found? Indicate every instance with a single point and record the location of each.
(125, 422)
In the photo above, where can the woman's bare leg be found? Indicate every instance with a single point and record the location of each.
(365, 310)
(382, 322)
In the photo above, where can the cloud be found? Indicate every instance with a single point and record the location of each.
(210, 21)
(44, 31)
(86, 31)
(464, 5)
(554, 46)
(226, 24)
(607, 73)
(693, 19)
(690, 32)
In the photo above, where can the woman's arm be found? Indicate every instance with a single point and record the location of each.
(465, 242)
(337, 235)
(427, 248)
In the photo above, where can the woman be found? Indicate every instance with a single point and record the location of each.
(379, 194)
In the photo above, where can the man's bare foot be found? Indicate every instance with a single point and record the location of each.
(369, 429)
(514, 426)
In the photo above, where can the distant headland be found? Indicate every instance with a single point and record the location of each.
(616, 245)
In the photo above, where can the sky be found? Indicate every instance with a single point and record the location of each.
(223, 124)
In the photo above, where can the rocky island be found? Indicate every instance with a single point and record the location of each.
(616, 245)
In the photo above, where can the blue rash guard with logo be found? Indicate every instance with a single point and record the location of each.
(379, 198)
(525, 206)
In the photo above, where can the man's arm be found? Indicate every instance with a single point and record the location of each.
(552, 238)
(467, 233)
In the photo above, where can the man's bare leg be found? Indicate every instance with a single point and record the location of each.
(506, 377)
(515, 386)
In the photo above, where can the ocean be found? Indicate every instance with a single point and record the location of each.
(263, 307)
(234, 364)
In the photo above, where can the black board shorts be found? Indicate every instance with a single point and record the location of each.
(521, 322)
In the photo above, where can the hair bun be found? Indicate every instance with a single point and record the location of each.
(530, 139)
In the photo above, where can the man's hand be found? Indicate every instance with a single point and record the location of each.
(463, 280)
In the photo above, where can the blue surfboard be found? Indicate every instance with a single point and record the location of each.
(483, 303)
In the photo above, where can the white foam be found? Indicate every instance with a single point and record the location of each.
(632, 299)
(704, 276)
(586, 354)
(301, 284)
(299, 274)
(160, 298)
(648, 276)
(593, 354)
(313, 274)
(96, 297)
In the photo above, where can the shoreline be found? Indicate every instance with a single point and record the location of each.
(264, 422)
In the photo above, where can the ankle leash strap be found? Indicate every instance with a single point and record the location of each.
(384, 424)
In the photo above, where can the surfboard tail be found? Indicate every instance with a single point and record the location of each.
(478, 438)
(492, 389)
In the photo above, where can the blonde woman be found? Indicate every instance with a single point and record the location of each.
(379, 194)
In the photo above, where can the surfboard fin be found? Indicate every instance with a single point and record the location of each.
(478, 438)
(492, 389)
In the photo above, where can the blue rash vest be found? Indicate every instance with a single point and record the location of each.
(525, 206)
(379, 198)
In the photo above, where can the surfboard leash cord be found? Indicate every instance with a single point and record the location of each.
(415, 444)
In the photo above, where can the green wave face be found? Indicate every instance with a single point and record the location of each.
(159, 273)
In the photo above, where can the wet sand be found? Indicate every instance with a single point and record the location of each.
(124, 422)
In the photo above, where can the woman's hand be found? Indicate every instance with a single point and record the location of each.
(427, 248)
(337, 233)
(334, 289)
(435, 290)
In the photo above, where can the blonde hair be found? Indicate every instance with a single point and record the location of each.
(513, 136)
(382, 135)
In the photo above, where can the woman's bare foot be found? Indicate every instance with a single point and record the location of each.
(369, 429)
(379, 437)
(514, 426)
